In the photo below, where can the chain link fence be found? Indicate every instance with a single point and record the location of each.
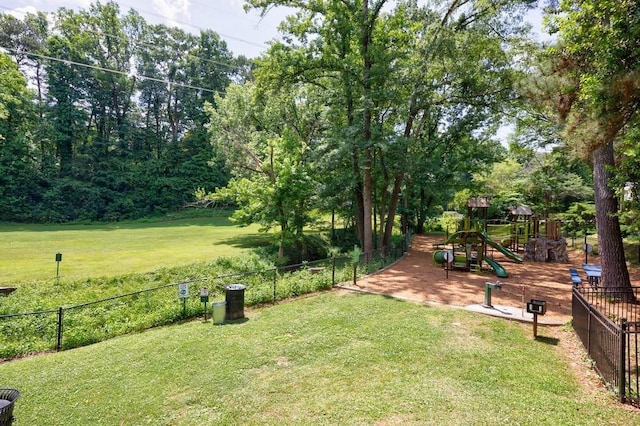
(82, 324)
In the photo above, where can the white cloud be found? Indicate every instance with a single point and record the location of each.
(20, 12)
(176, 12)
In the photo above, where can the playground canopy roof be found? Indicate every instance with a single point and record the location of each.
(521, 211)
(478, 202)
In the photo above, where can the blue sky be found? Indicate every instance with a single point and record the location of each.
(245, 33)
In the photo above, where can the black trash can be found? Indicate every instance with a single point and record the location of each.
(234, 296)
(7, 400)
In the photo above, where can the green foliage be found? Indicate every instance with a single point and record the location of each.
(266, 137)
(412, 94)
(579, 219)
(18, 190)
(450, 221)
(309, 248)
(593, 74)
(131, 147)
(546, 181)
(627, 182)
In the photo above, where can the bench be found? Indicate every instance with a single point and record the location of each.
(575, 278)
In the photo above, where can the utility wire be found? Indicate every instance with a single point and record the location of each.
(262, 46)
(144, 44)
(157, 15)
(99, 68)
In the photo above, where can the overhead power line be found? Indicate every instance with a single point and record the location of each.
(157, 15)
(149, 45)
(110, 70)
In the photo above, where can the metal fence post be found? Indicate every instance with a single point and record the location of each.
(623, 358)
(333, 271)
(275, 279)
(59, 333)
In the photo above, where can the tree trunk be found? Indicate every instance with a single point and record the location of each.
(611, 249)
(399, 178)
(367, 185)
(393, 206)
(420, 213)
(359, 203)
(367, 188)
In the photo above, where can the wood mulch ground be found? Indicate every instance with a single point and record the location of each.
(415, 277)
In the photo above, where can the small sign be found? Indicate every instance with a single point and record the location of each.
(204, 295)
(588, 248)
(356, 254)
(448, 256)
(58, 257)
(183, 290)
(537, 307)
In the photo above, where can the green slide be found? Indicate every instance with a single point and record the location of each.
(467, 237)
(497, 268)
(502, 249)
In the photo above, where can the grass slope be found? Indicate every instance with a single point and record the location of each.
(327, 359)
(97, 250)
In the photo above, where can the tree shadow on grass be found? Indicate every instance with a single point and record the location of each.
(248, 241)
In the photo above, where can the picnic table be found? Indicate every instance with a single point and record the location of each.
(594, 272)
(575, 277)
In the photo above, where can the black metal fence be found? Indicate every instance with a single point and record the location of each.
(82, 324)
(606, 321)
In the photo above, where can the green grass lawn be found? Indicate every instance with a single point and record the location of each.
(325, 359)
(27, 252)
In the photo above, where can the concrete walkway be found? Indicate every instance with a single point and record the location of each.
(509, 312)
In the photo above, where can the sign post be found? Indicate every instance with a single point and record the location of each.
(356, 260)
(58, 260)
(588, 248)
(204, 298)
(183, 293)
(448, 259)
(536, 307)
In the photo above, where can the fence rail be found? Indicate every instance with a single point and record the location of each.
(601, 321)
(93, 321)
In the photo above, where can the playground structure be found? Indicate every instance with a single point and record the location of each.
(469, 252)
(469, 246)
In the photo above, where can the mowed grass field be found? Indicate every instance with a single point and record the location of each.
(328, 358)
(333, 358)
(28, 252)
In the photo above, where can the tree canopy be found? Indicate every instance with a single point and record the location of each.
(590, 77)
(119, 130)
(382, 112)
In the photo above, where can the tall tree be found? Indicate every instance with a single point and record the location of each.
(597, 62)
(17, 165)
(387, 71)
(266, 138)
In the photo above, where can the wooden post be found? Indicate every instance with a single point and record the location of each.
(535, 325)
